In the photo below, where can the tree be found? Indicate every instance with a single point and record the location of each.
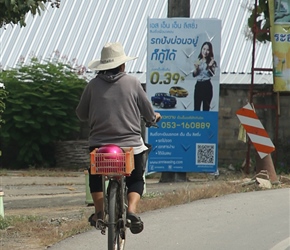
(14, 11)
(259, 21)
(40, 110)
(259, 24)
(176, 8)
(3, 94)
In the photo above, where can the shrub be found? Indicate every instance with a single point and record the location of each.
(40, 109)
(259, 19)
(2, 104)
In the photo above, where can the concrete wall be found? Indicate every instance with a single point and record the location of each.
(235, 96)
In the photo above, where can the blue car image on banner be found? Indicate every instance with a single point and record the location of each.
(182, 83)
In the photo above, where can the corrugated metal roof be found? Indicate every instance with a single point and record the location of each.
(79, 29)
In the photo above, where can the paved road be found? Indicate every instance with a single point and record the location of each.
(247, 221)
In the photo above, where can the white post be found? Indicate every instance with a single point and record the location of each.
(144, 177)
(1, 204)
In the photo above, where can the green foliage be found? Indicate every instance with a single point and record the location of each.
(3, 94)
(40, 109)
(14, 220)
(14, 11)
(262, 21)
(4, 223)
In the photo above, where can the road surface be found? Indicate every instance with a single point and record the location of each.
(248, 221)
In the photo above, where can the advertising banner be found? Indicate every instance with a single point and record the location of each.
(182, 82)
(280, 36)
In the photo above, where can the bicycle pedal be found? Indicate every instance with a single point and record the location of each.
(101, 225)
(128, 223)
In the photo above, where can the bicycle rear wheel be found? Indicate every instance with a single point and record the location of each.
(116, 235)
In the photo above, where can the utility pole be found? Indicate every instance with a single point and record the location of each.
(266, 163)
(176, 8)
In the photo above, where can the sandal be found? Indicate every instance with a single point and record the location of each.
(136, 225)
(99, 225)
(93, 223)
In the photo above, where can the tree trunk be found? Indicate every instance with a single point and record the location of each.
(266, 164)
(176, 8)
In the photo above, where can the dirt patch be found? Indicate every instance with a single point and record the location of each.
(38, 228)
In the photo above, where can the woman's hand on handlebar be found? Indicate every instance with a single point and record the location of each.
(158, 117)
(153, 123)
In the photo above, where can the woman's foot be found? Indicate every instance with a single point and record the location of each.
(136, 225)
(95, 219)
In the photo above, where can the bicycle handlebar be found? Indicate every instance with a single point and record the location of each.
(152, 124)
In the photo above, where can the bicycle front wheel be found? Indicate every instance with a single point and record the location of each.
(116, 236)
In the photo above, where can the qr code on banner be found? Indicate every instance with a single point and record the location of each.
(205, 154)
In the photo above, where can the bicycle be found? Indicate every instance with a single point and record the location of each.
(114, 167)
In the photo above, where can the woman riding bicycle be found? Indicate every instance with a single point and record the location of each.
(113, 103)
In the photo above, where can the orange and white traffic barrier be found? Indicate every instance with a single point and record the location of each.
(255, 130)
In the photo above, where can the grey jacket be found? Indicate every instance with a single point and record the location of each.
(113, 106)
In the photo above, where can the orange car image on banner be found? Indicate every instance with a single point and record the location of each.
(280, 36)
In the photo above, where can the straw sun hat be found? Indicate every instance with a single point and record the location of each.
(112, 56)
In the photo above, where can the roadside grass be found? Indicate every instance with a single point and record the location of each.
(185, 195)
(37, 232)
(16, 220)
